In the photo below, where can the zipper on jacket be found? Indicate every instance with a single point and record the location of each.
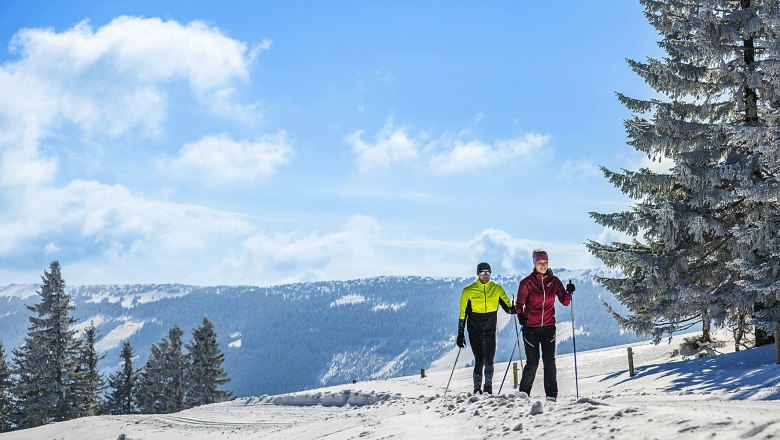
(544, 299)
(484, 291)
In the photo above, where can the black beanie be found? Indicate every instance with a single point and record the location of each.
(483, 266)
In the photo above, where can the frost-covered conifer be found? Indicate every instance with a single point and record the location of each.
(162, 386)
(176, 368)
(151, 382)
(45, 364)
(706, 241)
(5, 395)
(205, 374)
(122, 384)
(90, 383)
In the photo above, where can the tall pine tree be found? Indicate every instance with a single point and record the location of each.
(205, 374)
(121, 399)
(5, 394)
(162, 387)
(45, 365)
(90, 383)
(152, 381)
(705, 233)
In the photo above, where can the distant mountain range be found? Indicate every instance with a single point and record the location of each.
(308, 335)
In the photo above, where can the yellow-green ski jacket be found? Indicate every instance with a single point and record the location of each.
(479, 303)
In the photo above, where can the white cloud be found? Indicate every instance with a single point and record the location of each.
(314, 256)
(265, 44)
(390, 145)
(661, 165)
(111, 223)
(109, 82)
(51, 248)
(224, 102)
(148, 49)
(127, 238)
(222, 160)
(608, 235)
(504, 253)
(578, 169)
(464, 156)
(23, 167)
(508, 255)
(112, 82)
(443, 155)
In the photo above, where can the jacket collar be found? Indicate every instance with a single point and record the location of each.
(539, 277)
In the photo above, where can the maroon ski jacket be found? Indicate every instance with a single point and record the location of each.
(536, 299)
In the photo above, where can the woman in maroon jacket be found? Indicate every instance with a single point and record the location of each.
(535, 306)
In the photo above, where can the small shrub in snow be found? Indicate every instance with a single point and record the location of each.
(697, 347)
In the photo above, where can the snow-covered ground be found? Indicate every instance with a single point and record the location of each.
(730, 396)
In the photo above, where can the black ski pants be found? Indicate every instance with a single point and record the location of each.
(533, 340)
(483, 345)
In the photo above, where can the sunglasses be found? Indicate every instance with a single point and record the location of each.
(485, 272)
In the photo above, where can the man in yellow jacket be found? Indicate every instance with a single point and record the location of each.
(479, 306)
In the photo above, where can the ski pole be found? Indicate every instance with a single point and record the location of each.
(507, 368)
(517, 333)
(574, 343)
(453, 371)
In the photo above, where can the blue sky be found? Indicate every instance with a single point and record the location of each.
(270, 142)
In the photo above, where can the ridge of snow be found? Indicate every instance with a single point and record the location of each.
(326, 398)
(21, 291)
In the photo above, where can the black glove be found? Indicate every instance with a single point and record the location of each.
(461, 340)
(570, 287)
(522, 319)
(512, 310)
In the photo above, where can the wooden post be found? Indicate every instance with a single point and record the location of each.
(631, 362)
(422, 372)
(777, 342)
(514, 371)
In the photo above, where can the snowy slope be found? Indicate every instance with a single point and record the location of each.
(734, 395)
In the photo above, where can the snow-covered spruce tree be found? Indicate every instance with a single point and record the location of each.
(162, 387)
(205, 374)
(5, 394)
(757, 236)
(90, 383)
(122, 384)
(45, 365)
(176, 367)
(705, 233)
(152, 382)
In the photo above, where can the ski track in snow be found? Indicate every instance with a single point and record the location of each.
(732, 396)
